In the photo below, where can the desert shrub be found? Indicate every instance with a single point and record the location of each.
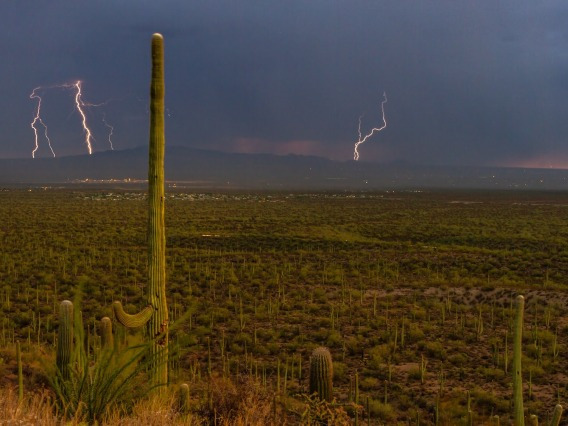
(433, 349)
(381, 411)
(459, 359)
(369, 383)
(242, 402)
(339, 370)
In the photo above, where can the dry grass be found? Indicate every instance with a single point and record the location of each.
(37, 409)
(243, 403)
(221, 402)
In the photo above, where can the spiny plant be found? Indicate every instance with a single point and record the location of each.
(20, 373)
(155, 314)
(107, 341)
(519, 416)
(65, 338)
(183, 398)
(321, 373)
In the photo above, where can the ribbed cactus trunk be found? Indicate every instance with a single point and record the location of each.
(158, 324)
(65, 338)
(519, 416)
(321, 374)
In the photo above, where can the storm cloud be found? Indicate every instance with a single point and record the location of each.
(468, 83)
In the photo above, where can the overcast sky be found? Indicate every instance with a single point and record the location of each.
(468, 83)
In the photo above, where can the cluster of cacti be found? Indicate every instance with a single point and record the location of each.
(155, 314)
(519, 415)
(321, 373)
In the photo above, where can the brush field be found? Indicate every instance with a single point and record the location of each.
(411, 291)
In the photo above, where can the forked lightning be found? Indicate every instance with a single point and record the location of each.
(79, 105)
(375, 129)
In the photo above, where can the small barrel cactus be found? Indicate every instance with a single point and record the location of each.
(65, 338)
(107, 341)
(321, 373)
(183, 398)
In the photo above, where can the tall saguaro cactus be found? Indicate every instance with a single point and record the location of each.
(155, 314)
(519, 416)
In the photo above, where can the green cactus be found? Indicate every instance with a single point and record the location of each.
(321, 373)
(132, 321)
(556, 415)
(519, 415)
(519, 418)
(155, 314)
(107, 341)
(183, 398)
(65, 338)
(20, 373)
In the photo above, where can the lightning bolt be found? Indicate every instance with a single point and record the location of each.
(375, 129)
(79, 103)
(37, 118)
(111, 130)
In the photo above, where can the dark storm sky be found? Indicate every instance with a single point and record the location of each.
(482, 82)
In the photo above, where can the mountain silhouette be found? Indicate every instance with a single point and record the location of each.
(214, 169)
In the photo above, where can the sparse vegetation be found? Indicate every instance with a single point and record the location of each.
(411, 291)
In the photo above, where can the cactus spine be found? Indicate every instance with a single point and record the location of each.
(107, 341)
(519, 416)
(155, 314)
(321, 373)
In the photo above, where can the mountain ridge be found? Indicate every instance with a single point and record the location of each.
(217, 169)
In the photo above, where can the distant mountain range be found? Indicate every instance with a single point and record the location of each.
(193, 168)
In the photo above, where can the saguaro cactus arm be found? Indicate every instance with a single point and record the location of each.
(132, 321)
